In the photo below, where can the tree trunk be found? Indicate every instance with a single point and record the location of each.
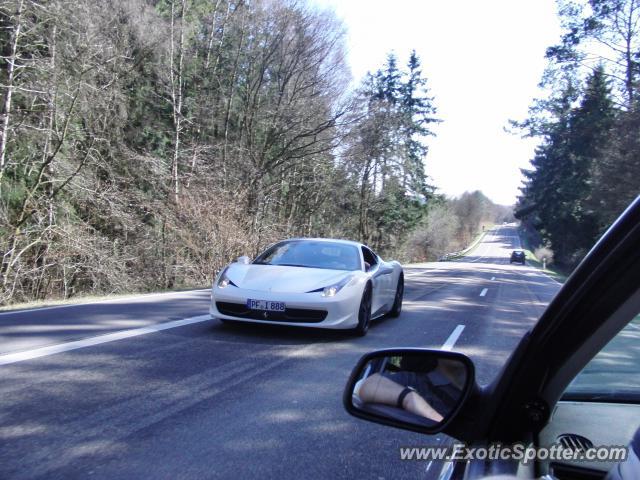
(177, 84)
(6, 106)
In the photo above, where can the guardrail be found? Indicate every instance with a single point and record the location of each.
(461, 253)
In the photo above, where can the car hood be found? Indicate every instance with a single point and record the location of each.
(276, 278)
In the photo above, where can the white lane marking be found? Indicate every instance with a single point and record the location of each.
(552, 279)
(413, 274)
(493, 278)
(484, 292)
(89, 342)
(453, 338)
(100, 302)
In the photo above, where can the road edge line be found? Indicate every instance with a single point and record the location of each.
(34, 353)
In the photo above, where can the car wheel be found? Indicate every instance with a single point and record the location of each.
(397, 302)
(364, 314)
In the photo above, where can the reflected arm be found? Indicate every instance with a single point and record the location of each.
(379, 389)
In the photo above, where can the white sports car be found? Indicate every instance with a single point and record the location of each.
(310, 282)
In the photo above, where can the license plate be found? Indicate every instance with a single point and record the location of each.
(265, 305)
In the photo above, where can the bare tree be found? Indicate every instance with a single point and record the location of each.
(15, 21)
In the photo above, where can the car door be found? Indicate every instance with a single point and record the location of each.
(375, 268)
(389, 284)
(387, 280)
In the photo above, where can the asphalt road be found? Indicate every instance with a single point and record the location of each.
(149, 387)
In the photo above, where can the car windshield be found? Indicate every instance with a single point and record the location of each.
(312, 254)
(209, 209)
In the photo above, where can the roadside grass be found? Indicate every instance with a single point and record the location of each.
(550, 271)
(533, 261)
(475, 243)
(469, 249)
(83, 299)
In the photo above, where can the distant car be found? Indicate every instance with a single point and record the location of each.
(517, 256)
(311, 282)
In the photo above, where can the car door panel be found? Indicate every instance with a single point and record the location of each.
(386, 277)
(377, 281)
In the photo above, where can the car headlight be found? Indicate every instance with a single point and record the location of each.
(223, 280)
(332, 290)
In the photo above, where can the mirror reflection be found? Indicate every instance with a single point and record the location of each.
(421, 389)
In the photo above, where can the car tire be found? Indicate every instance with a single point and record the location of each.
(396, 310)
(364, 314)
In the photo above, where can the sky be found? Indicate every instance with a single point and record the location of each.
(483, 61)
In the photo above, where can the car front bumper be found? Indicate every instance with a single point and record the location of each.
(341, 311)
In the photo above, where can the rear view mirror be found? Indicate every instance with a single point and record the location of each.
(414, 389)
(244, 260)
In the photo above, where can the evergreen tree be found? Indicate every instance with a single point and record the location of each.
(556, 192)
(418, 113)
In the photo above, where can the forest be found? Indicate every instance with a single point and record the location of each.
(146, 143)
(586, 169)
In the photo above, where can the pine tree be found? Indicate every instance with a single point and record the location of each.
(418, 113)
(555, 197)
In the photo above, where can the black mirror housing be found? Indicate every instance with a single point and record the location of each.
(414, 389)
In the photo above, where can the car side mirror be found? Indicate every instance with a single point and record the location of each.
(414, 389)
(244, 260)
(386, 270)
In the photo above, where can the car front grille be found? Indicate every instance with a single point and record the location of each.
(298, 315)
